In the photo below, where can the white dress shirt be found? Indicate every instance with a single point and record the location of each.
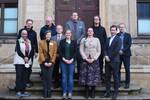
(111, 39)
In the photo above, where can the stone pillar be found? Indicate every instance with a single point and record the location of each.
(117, 11)
(21, 13)
(50, 8)
(133, 17)
(102, 12)
(36, 11)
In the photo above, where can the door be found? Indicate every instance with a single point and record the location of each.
(86, 9)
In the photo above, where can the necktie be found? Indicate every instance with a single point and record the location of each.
(75, 30)
(26, 48)
(122, 37)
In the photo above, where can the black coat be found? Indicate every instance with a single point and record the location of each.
(112, 51)
(100, 33)
(61, 49)
(127, 41)
(46, 28)
(32, 37)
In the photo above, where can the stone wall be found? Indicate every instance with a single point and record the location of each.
(140, 54)
(111, 11)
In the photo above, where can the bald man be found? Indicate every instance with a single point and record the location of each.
(49, 26)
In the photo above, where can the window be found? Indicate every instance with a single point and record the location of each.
(143, 15)
(8, 17)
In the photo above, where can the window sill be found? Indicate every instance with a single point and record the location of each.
(141, 40)
(7, 39)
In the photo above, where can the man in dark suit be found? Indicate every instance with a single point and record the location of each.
(58, 37)
(112, 57)
(125, 53)
(78, 32)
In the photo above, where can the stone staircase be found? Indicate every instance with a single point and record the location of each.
(78, 91)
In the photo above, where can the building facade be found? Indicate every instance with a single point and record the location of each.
(134, 13)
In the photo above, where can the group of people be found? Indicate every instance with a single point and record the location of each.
(74, 47)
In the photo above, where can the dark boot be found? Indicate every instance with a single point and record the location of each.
(86, 91)
(49, 94)
(45, 94)
(93, 92)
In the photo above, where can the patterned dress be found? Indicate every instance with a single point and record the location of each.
(89, 73)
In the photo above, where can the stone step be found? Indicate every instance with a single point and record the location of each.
(99, 89)
(80, 96)
(10, 68)
(37, 97)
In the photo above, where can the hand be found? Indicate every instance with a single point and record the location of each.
(26, 59)
(36, 54)
(91, 60)
(67, 61)
(120, 52)
(46, 64)
(49, 64)
(107, 58)
(70, 61)
(87, 60)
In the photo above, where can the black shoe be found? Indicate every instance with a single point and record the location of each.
(86, 92)
(114, 96)
(107, 94)
(49, 94)
(93, 92)
(119, 85)
(126, 86)
(56, 85)
(45, 94)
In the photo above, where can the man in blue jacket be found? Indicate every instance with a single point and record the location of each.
(125, 53)
(49, 26)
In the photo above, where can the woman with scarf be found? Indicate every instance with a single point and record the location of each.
(22, 61)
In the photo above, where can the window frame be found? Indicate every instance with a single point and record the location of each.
(142, 35)
(4, 4)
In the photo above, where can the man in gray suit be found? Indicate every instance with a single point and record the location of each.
(78, 29)
(58, 37)
(76, 26)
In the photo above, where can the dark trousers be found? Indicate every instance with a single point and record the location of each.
(29, 71)
(79, 61)
(126, 62)
(56, 75)
(21, 77)
(101, 62)
(47, 77)
(112, 69)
